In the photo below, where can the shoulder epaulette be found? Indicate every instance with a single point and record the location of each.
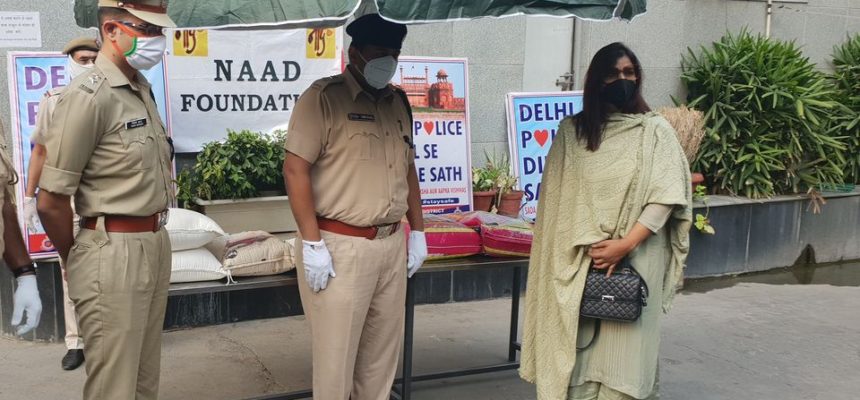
(55, 91)
(323, 83)
(91, 82)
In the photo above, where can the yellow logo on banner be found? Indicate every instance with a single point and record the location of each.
(192, 43)
(320, 43)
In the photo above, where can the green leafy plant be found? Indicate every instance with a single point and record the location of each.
(768, 117)
(505, 181)
(484, 178)
(703, 223)
(846, 63)
(701, 193)
(494, 175)
(244, 165)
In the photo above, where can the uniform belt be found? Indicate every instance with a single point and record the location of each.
(370, 233)
(128, 224)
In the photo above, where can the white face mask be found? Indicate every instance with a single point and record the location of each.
(146, 52)
(76, 69)
(379, 71)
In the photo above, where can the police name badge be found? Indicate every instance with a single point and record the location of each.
(135, 123)
(361, 117)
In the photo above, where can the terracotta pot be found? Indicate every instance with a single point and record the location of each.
(483, 201)
(697, 179)
(511, 203)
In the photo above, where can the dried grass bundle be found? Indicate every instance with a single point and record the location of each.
(689, 124)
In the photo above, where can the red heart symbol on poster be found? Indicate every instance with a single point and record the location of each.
(541, 136)
(428, 126)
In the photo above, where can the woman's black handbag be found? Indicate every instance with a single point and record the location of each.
(619, 297)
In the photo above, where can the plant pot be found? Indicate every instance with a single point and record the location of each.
(511, 203)
(483, 201)
(270, 214)
(697, 179)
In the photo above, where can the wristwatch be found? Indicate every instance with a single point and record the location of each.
(24, 269)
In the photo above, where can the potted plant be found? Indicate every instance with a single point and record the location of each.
(689, 125)
(483, 188)
(239, 183)
(508, 200)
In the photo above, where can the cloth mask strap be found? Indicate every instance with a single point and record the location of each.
(128, 31)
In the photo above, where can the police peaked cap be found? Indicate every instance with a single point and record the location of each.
(151, 11)
(371, 29)
(81, 43)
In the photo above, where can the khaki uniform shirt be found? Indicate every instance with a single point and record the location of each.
(107, 146)
(43, 117)
(359, 147)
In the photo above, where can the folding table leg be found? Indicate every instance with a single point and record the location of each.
(406, 385)
(515, 314)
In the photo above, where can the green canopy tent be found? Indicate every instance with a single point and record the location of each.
(221, 13)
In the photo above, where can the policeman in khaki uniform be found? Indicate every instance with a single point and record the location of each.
(107, 147)
(351, 176)
(26, 301)
(82, 54)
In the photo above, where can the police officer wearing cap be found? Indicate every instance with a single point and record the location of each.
(82, 54)
(350, 173)
(107, 147)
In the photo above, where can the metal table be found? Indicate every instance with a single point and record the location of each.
(402, 389)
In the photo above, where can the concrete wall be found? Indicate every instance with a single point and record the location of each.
(505, 55)
(58, 27)
(671, 26)
(529, 54)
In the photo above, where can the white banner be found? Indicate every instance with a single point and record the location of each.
(220, 80)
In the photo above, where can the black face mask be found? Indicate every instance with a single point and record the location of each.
(619, 93)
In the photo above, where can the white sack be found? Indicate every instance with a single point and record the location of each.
(190, 230)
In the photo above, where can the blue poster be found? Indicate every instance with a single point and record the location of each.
(31, 74)
(533, 119)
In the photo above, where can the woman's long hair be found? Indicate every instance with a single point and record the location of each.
(591, 120)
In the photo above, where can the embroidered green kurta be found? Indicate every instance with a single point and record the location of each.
(587, 197)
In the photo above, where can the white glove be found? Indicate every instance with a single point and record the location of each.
(318, 264)
(417, 252)
(26, 300)
(31, 215)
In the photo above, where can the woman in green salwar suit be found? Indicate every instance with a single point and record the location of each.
(616, 184)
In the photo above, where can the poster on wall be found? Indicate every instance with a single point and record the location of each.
(533, 119)
(20, 29)
(237, 80)
(438, 91)
(31, 74)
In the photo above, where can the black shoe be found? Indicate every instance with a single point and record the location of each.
(72, 360)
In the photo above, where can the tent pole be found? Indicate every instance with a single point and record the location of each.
(575, 53)
(768, 18)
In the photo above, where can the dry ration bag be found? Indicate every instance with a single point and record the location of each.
(195, 265)
(189, 230)
(501, 236)
(447, 238)
(256, 253)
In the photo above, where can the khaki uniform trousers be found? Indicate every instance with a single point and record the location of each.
(74, 341)
(119, 282)
(357, 321)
